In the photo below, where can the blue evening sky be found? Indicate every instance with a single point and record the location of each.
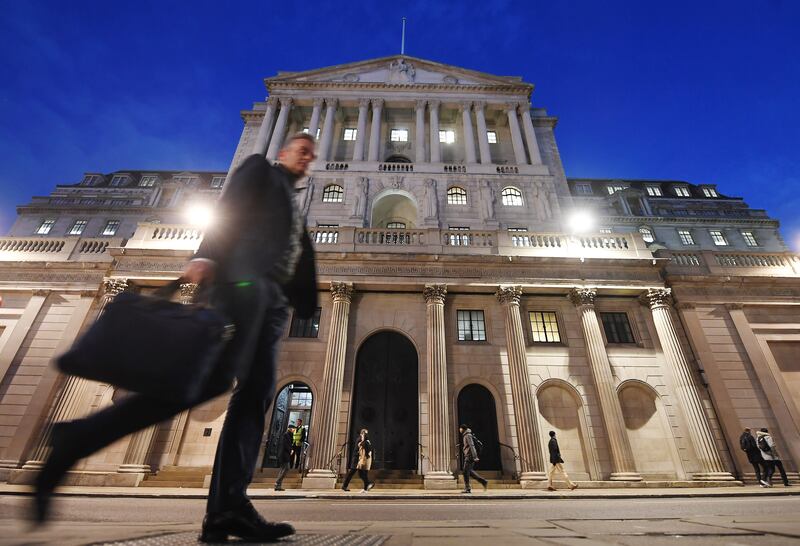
(703, 91)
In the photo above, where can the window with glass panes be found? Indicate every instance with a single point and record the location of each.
(614, 188)
(45, 227)
(456, 196)
(333, 193)
(584, 189)
(301, 399)
(491, 136)
(447, 136)
(118, 180)
(749, 238)
(653, 191)
(111, 228)
(647, 234)
(544, 327)
(399, 135)
(305, 130)
(350, 134)
(396, 225)
(217, 182)
(147, 181)
(471, 326)
(718, 237)
(710, 192)
(686, 237)
(682, 191)
(78, 227)
(617, 327)
(305, 327)
(511, 197)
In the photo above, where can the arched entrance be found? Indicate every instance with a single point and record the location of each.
(293, 402)
(386, 400)
(394, 206)
(477, 410)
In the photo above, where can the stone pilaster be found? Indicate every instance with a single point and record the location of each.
(361, 130)
(516, 136)
(323, 433)
(469, 134)
(531, 462)
(375, 131)
(262, 138)
(659, 301)
(316, 113)
(436, 146)
(279, 133)
(483, 138)
(624, 468)
(419, 156)
(530, 134)
(327, 130)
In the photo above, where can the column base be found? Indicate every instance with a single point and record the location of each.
(319, 479)
(532, 480)
(6, 466)
(22, 476)
(134, 468)
(625, 477)
(440, 480)
(713, 477)
(33, 465)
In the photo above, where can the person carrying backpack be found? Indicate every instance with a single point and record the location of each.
(748, 444)
(771, 457)
(470, 457)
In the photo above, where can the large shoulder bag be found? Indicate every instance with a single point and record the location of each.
(150, 345)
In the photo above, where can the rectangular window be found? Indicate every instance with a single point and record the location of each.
(301, 399)
(492, 137)
(544, 327)
(90, 180)
(217, 182)
(471, 326)
(147, 181)
(686, 237)
(118, 180)
(45, 227)
(457, 239)
(350, 134)
(187, 180)
(710, 192)
(654, 191)
(305, 327)
(111, 228)
(614, 188)
(399, 135)
(447, 136)
(682, 191)
(305, 130)
(78, 227)
(617, 327)
(718, 237)
(583, 189)
(749, 238)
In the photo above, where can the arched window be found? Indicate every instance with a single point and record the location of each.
(647, 234)
(332, 193)
(456, 196)
(511, 196)
(396, 225)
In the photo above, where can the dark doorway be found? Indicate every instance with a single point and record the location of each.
(293, 402)
(476, 410)
(386, 400)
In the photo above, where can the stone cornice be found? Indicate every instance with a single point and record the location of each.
(727, 220)
(504, 89)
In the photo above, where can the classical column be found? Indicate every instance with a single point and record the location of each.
(419, 157)
(279, 133)
(469, 135)
(516, 136)
(624, 468)
(711, 467)
(71, 402)
(316, 112)
(327, 130)
(531, 462)
(375, 131)
(438, 475)
(530, 135)
(326, 425)
(361, 131)
(483, 138)
(436, 146)
(262, 138)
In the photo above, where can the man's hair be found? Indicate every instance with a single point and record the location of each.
(552, 433)
(462, 425)
(764, 429)
(747, 429)
(298, 136)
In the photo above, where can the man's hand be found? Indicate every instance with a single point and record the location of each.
(199, 270)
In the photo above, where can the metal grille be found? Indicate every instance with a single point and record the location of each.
(190, 539)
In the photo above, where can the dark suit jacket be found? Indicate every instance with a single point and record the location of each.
(285, 451)
(555, 452)
(251, 230)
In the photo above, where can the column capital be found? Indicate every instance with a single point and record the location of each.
(332, 102)
(377, 103)
(685, 305)
(508, 295)
(511, 106)
(286, 102)
(734, 306)
(465, 106)
(318, 102)
(582, 296)
(434, 105)
(188, 292)
(656, 297)
(341, 291)
(420, 104)
(525, 106)
(363, 103)
(434, 293)
(272, 101)
(112, 287)
(479, 105)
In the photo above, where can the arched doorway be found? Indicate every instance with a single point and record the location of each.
(386, 400)
(394, 206)
(476, 409)
(293, 402)
(648, 432)
(560, 408)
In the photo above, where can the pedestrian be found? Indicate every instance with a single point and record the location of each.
(297, 443)
(557, 462)
(360, 461)
(772, 458)
(257, 259)
(469, 459)
(284, 456)
(748, 444)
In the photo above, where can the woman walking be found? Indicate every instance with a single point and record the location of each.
(360, 461)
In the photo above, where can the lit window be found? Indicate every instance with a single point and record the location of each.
(718, 237)
(647, 234)
(471, 326)
(544, 327)
(457, 239)
(686, 237)
(187, 180)
(45, 227)
(333, 193)
(654, 191)
(217, 182)
(396, 225)
(749, 238)
(614, 188)
(710, 192)
(305, 327)
(617, 327)
(350, 134)
(399, 135)
(583, 189)
(147, 181)
(492, 137)
(682, 191)
(118, 180)
(78, 227)
(511, 197)
(456, 196)
(447, 136)
(111, 228)
(327, 234)
(305, 130)
(301, 399)
(90, 180)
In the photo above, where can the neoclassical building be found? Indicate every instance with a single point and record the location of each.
(463, 278)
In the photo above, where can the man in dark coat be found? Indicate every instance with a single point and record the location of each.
(470, 458)
(557, 462)
(258, 259)
(284, 456)
(748, 444)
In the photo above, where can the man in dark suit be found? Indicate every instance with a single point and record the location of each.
(257, 259)
(284, 456)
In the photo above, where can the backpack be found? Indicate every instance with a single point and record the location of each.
(478, 445)
(763, 445)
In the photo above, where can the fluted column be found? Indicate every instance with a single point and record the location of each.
(316, 112)
(531, 462)
(419, 157)
(516, 136)
(436, 146)
(375, 131)
(469, 134)
(438, 475)
(361, 130)
(624, 468)
(279, 133)
(71, 401)
(483, 138)
(260, 147)
(327, 130)
(530, 135)
(711, 468)
(326, 413)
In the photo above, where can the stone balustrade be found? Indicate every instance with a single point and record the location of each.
(165, 236)
(431, 168)
(703, 262)
(56, 249)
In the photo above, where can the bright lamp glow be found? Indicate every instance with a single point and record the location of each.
(200, 215)
(581, 222)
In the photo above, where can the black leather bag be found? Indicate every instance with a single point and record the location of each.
(152, 346)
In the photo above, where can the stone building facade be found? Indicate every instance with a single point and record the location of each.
(454, 287)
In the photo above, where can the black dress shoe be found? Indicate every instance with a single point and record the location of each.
(60, 460)
(245, 523)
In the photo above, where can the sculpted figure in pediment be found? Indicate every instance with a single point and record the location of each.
(401, 72)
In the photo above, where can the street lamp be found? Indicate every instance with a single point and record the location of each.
(200, 215)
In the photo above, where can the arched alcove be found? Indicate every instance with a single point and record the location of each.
(559, 409)
(394, 206)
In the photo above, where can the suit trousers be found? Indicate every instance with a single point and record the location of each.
(469, 471)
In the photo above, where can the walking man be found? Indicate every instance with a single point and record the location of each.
(284, 456)
(297, 443)
(557, 462)
(772, 458)
(748, 444)
(470, 458)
